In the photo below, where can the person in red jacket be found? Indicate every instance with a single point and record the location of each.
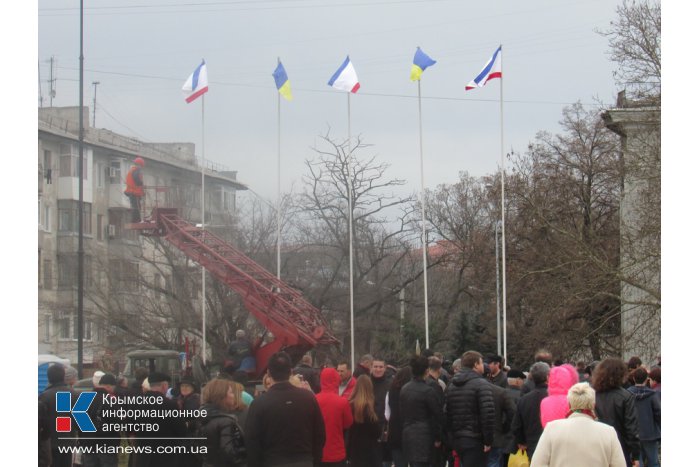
(134, 188)
(337, 417)
(347, 380)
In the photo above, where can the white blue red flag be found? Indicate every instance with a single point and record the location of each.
(345, 79)
(491, 70)
(197, 84)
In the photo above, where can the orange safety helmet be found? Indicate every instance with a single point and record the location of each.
(139, 161)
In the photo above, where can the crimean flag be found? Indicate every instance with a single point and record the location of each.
(197, 84)
(421, 61)
(491, 70)
(282, 81)
(345, 79)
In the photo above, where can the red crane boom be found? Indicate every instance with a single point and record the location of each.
(296, 324)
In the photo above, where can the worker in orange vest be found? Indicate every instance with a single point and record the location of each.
(134, 188)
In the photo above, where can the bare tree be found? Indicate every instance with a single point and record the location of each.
(462, 278)
(635, 45)
(382, 241)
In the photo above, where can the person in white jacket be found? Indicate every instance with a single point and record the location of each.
(579, 440)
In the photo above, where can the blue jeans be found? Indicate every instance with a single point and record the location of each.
(649, 454)
(495, 458)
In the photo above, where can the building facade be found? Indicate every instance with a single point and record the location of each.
(114, 264)
(639, 127)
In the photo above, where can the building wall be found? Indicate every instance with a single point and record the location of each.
(173, 179)
(640, 229)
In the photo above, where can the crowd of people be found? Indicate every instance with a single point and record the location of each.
(474, 412)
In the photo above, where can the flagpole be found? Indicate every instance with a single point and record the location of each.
(503, 222)
(204, 283)
(350, 254)
(422, 204)
(279, 184)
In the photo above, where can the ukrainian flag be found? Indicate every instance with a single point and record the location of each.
(421, 61)
(282, 81)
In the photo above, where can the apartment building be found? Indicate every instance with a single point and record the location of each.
(113, 260)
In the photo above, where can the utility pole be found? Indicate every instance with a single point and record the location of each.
(41, 95)
(52, 83)
(94, 103)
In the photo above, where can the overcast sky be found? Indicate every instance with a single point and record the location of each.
(142, 53)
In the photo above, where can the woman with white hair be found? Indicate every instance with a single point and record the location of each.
(579, 440)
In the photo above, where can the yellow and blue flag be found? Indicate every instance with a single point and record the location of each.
(421, 61)
(282, 81)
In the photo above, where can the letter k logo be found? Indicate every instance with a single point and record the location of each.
(79, 412)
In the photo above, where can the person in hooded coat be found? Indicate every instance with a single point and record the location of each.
(337, 417)
(648, 403)
(555, 406)
(422, 415)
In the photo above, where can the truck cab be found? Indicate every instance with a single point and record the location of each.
(168, 362)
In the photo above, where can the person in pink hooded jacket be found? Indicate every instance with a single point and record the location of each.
(555, 406)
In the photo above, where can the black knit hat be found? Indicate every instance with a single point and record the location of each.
(108, 379)
(516, 374)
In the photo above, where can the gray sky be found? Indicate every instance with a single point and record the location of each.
(142, 53)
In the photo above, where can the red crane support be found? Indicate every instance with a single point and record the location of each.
(296, 324)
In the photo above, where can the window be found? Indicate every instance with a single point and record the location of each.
(69, 161)
(125, 275)
(115, 171)
(48, 274)
(44, 216)
(67, 324)
(119, 217)
(100, 227)
(63, 325)
(47, 328)
(47, 166)
(87, 330)
(100, 175)
(47, 218)
(68, 217)
(67, 270)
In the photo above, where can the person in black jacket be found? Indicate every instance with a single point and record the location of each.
(103, 436)
(381, 381)
(308, 373)
(470, 411)
(395, 418)
(422, 415)
(56, 374)
(527, 426)
(225, 442)
(648, 404)
(284, 425)
(615, 405)
(170, 428)
(504, 412)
